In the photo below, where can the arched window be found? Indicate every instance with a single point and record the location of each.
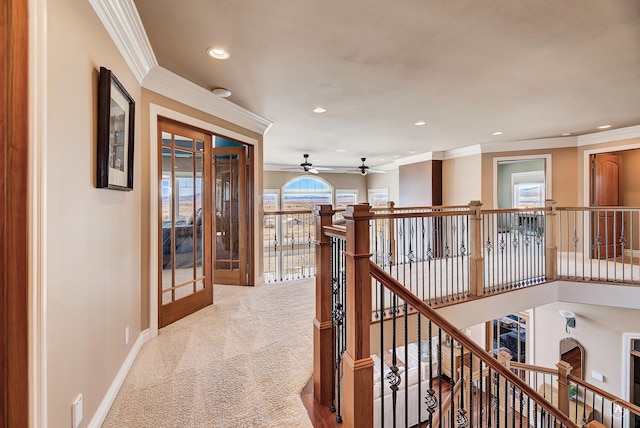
(305, 192)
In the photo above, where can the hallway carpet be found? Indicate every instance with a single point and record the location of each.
(241, 362)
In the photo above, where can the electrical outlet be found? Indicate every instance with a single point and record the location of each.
(126, 336)
(76, 411)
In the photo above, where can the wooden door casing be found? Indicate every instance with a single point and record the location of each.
(605, 192)
(14, 209)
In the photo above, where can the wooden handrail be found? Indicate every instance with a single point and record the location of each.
(603, 208)
(281, 212)
(538, 369)
(615, 400)
(423, 214)
(431, 207)
(395, 287)
(339, 232)
(515, 210)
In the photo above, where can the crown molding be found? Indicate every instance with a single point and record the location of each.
(123, 24)
(461, 152)
(420, 157)
(121, 20)
(169, 84)
(536, 144)
(608, 136)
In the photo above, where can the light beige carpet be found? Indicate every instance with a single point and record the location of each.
(239, 363)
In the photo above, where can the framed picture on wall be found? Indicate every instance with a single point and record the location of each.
(116, 118)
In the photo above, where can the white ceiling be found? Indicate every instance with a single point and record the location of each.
(531, 69)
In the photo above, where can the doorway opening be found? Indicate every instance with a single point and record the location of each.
(205, 217)
(522, 181)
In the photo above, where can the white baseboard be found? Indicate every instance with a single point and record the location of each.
(107, 401)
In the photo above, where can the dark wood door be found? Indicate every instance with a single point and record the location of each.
(605, 192)
(185, 277)
(231, 218)
(14, 213)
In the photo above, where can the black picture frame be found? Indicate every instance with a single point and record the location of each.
(116, 120)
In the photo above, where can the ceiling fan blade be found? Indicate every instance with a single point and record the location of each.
(312, 170)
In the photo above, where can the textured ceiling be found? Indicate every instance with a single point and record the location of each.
(531, 69)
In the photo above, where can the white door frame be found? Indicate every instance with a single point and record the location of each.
(547, 173)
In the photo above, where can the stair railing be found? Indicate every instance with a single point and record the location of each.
(503, 396)
(582, 401)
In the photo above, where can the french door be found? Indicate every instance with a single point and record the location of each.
(205, 211)
(185, 280)
(231, 218)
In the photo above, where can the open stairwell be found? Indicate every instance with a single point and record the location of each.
(383, 357)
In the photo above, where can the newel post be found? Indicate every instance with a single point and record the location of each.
(322, 343)
(357, 362)
(551, 250)
(476, 263)
(564, 369)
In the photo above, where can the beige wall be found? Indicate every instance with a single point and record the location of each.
(421, 184)
(462, 180)
(93, 269)
(390, 180)
(598, 328)
(564, 174)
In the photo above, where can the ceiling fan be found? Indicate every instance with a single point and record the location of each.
(307, 166)
(364, 169)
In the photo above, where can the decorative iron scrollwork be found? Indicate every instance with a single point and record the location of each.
(338, 314)
(461, 418)
(393, 378)
(489, 245)
(431, 401)
(463, 250)
(495, 403)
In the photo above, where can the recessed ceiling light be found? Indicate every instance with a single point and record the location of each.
(566, 134)
(497, 133)
(319, 109)
(396, 156)
(218, 53)
(221, 92)
(420, 123)
(604, 127)
(341, 150)
(413, 151)
(381, 160)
